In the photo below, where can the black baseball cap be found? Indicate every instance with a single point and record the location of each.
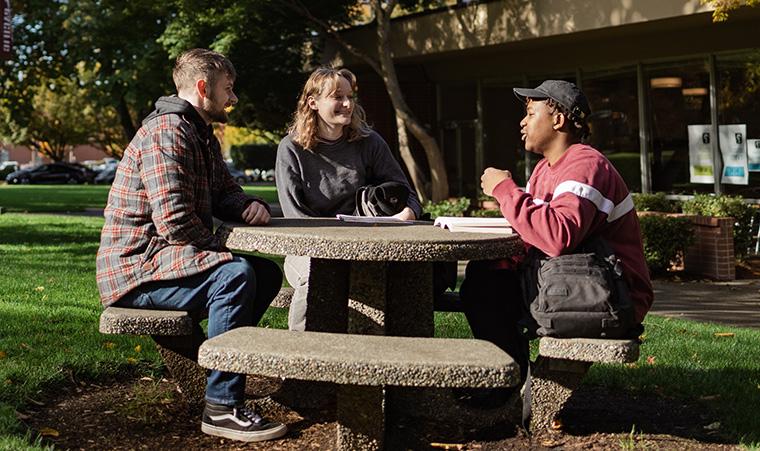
(563, 92)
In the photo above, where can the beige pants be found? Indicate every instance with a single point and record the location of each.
(297, 274)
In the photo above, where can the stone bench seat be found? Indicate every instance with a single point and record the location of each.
(360, 359)
(561, 366)
(363, 365)
(133, 321)
(592, 350)
(172, 331)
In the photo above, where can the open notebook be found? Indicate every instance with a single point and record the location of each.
(473, 225)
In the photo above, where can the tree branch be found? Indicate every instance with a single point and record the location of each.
(299, 8)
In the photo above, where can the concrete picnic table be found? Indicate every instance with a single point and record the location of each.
(385, 269)
(371, 279)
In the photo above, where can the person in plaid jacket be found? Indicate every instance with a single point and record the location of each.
(158, 249)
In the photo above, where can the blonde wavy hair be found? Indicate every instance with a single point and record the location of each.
(305, 125)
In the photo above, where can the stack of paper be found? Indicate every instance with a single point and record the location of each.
(473, 225)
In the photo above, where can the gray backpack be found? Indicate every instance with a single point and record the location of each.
(579, 295)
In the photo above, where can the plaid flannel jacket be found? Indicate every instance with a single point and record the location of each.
(169, 184)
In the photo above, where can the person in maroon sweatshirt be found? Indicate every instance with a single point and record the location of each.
(573, 193)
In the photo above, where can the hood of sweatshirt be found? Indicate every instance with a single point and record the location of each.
(175, 105)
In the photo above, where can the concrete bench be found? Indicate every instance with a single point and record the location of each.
(363, 365)
(561, 366)
(173, 333)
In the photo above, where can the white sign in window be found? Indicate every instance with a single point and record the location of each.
(733, 150)
(700, 154)
(753, 155)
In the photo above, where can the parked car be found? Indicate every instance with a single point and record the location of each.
(267, 175)
(53, 173)
(237, 174)
(6, 167)
(253, 174)
(106, 176)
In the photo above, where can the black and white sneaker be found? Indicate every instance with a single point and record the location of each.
(239, 423)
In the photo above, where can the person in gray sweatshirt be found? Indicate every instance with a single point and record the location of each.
(329, 153)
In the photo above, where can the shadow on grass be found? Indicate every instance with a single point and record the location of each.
(664, 402)
(52, 232)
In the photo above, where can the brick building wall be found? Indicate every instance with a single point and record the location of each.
(712, 254)
(25, 156)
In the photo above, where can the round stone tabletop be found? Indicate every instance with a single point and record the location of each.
(333, 239)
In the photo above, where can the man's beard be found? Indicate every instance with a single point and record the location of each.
(216, 115)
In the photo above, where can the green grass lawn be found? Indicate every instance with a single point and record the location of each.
(49, 335)
(60, 198)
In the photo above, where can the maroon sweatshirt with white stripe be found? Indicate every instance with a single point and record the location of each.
(580, 195)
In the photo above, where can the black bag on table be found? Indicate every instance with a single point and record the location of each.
(385, 199)
(578, 295)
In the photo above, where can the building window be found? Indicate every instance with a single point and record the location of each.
(457, 133)
(502, 113)
(614, 120)
(678, 96)
(738, 82)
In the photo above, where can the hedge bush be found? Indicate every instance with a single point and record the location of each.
(655, 202)
(451, 207)
(723, 206)
(665, 240)
(484, 213)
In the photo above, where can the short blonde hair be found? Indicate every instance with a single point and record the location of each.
(305, 125)
(200, 64)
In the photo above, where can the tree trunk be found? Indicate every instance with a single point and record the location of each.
(415, 172)
(126, 119)
(439, 184)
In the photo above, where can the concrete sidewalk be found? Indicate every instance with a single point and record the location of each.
(735, 303)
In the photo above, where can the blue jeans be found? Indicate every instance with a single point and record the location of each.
(235, 294)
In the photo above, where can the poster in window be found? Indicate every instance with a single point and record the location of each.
(6, 31)
(753, 155)
(733, 149)
(700, 154)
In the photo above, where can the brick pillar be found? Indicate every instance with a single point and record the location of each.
(712, 254)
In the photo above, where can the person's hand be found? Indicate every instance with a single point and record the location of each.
(256, 214)
(492, 177)
(407, 214)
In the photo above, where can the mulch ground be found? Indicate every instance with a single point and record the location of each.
(150, 414)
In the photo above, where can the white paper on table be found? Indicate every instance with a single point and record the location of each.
(372, 219)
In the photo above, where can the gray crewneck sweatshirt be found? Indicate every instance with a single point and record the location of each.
(323, 182)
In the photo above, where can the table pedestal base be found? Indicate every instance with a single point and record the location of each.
(359, 426)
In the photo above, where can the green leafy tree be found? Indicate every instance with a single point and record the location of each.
(723, 7)
(118, 42)
(62, 116)
(115, 41)
(270, 46)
